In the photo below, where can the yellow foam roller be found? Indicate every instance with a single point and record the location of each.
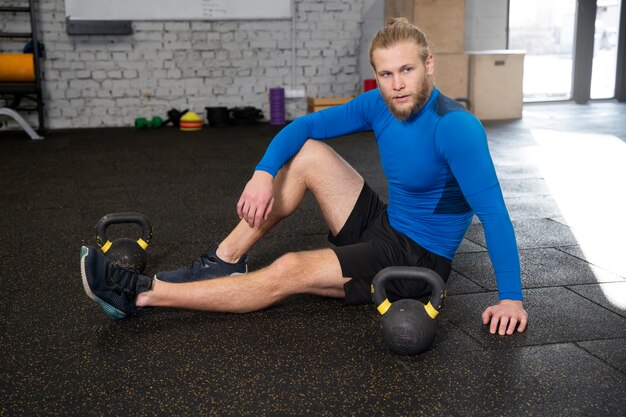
(17, 68)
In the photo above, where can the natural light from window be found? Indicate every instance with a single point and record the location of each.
(586, 174)
(545, 29)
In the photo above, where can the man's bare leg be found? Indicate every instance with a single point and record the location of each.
(335, 186)
(312, 272)
(317, 168)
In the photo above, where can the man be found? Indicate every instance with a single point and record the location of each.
(439, 170)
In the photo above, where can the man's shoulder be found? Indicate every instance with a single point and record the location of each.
(455, 125)
(444, 105)
(371, 96)
(370, 105)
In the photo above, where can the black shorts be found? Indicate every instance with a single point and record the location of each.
(367, 243)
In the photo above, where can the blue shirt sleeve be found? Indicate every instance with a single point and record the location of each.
(329, 123)
(463, 143)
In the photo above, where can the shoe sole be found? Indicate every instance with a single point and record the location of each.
(108, 309)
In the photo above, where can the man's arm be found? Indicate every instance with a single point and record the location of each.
(463, 143)
(256, 201)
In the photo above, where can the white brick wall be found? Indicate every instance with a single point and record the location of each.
(94, 81)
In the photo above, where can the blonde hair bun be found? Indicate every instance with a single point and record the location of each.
(396, 30)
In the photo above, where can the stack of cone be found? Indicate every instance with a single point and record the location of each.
(190, 122)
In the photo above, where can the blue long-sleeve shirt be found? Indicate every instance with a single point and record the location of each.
(439, 173)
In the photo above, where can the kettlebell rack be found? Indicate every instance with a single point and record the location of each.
(29, 90)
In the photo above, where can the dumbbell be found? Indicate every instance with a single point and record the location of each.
(142, 122)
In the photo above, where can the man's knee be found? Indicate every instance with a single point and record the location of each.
(285, 274)
(311, 272)
(312, 147)
(309, 155)
(286, 266)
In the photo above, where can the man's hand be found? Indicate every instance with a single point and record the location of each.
(504, 316)
(257, 199)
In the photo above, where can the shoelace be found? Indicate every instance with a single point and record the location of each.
(122, 280)
(204, 260)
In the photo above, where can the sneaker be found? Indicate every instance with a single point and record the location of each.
(111, 286)
(207, 266)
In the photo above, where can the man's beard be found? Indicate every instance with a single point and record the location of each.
(404, 113)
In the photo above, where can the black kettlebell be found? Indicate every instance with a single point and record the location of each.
(408, 325)
(125, 252)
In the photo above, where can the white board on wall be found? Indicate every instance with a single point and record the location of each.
(177, 9)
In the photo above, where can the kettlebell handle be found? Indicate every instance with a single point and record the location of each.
(120, 218)
(434, 281)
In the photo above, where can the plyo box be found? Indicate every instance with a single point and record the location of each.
(496, 84)
(443, 21)
(316, 104)
(451, 74)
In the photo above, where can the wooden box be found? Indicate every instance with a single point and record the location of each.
(496, 84)
(443, 21)
(316, 104)
(451, 74)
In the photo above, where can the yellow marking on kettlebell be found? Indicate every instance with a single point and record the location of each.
(106, 246)
(143, 244)
(384, 306)
(430, 310)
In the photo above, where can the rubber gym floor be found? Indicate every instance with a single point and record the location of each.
(561, 168)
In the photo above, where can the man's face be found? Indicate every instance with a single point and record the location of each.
(405, 82)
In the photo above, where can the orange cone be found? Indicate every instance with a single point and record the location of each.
(190, 122)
